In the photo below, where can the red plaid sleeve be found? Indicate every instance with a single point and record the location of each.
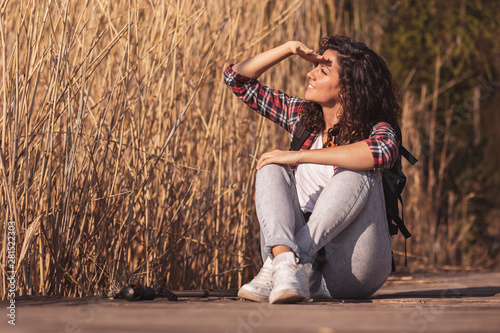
(383, 144)
(273, 104)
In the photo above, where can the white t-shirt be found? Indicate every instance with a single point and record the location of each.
(311, 179)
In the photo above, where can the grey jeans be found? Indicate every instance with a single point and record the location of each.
(348, 221)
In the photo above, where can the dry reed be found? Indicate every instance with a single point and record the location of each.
(123, 157)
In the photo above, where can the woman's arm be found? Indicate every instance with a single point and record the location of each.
(273, 104)
(254, 67)
(378, 152)
(355, 156)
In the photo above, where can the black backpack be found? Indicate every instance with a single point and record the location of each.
(393, 181)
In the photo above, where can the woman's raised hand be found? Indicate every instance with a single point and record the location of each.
(253, 67)
(304, 52)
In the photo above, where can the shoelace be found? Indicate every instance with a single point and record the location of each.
(286, 270)
(264, 276)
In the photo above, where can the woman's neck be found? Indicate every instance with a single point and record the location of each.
(330, 116)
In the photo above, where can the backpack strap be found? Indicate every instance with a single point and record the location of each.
(394, 181)
(406, 154)
(402, 182)
(399, 221)
(300, 136)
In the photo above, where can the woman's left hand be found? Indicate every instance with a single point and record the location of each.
(279, 157)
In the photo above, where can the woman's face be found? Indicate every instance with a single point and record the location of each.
(324, 87)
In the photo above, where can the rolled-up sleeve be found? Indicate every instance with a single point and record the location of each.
(272, 104)
(383, 144)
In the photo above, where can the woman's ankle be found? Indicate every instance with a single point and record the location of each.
(279, 249)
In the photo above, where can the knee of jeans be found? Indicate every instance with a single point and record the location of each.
(355, 175)
(274, 171)
(347, 172)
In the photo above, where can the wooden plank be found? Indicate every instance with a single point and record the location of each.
(436, 302)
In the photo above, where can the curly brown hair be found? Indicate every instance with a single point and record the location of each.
(367, 91)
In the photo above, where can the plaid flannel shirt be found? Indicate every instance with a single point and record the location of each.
(285, 111)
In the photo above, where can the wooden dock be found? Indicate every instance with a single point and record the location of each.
(430, 302)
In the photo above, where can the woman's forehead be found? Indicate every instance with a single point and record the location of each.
(332, 56)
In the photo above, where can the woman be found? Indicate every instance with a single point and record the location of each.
(331, 202)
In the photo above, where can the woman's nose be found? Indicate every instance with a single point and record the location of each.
(311, 75)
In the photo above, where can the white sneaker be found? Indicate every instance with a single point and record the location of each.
(290, 280)
(260, 287)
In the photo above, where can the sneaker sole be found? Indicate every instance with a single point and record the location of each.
(286, 297)
(253, 296)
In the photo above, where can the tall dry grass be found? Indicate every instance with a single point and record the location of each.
(123, 156)
(443, 220)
